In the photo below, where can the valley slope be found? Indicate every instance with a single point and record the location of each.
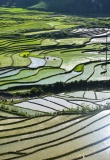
(66, 6)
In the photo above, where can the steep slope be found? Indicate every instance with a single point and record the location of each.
(18, 3)
(69, 6)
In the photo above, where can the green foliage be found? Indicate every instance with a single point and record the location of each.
(79, 68)
(36, 91)
(24, 54)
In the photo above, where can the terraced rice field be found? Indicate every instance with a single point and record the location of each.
(26, 58)
(65, 137)
(65, 101)
(40, 48)
(56, 137)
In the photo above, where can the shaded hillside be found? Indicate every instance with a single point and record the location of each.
(65, 6)
(18, 3)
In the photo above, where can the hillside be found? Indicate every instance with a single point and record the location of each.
(65, 6)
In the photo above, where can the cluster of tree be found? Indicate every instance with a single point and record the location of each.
(62, 87)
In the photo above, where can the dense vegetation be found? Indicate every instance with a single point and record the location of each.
(69, 6)
(59, 87)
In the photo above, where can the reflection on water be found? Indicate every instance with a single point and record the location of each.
(36, 62)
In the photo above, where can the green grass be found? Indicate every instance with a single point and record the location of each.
(24, 54)
(79, 68)
(54, 23)
(39, 32)
(20, 61)
(48, 42)
(29, 25)
(37, 54)
(5, 60)
(71, 41)
(26, 43)
(65, 26)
